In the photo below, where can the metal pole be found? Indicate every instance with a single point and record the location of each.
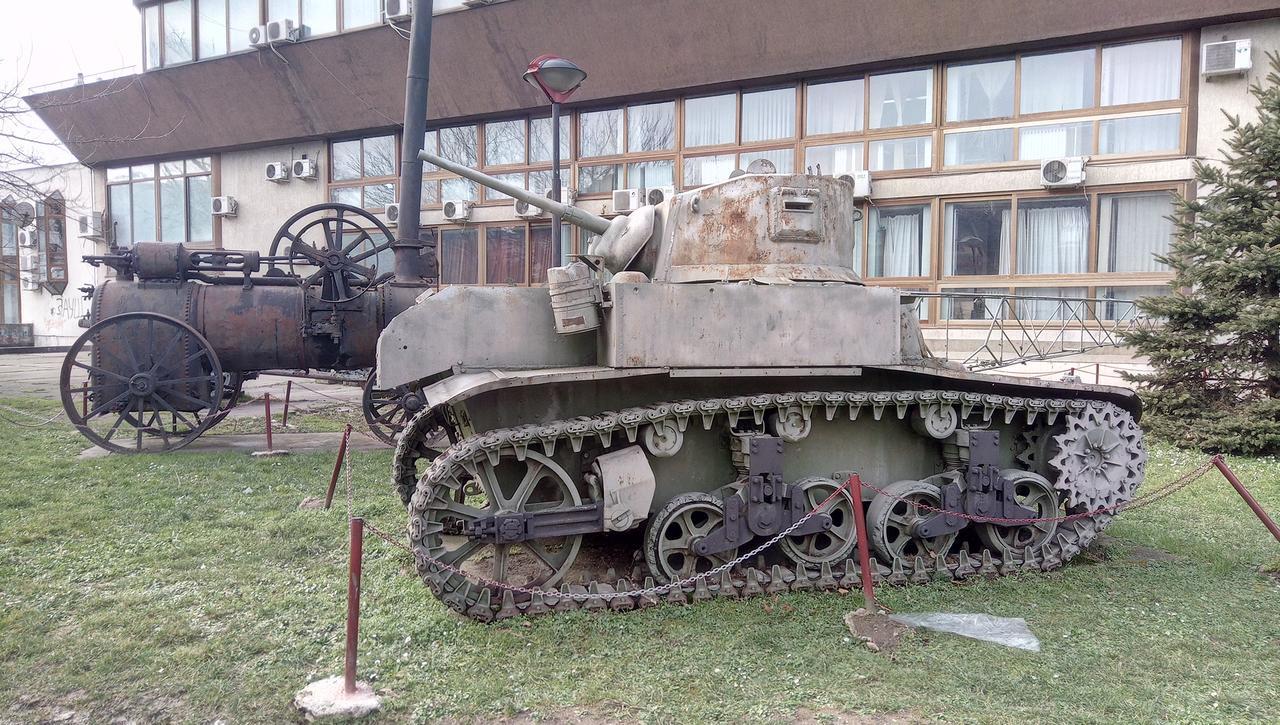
(288, 392)
(266, 401)
(410, 263)
(84, 400)
(1258, 511)
(353, 604)
(1097, 373)
(337, 466)
(556, 242)
(864, 548)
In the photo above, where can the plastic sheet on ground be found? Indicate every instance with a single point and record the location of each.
(1008, 631)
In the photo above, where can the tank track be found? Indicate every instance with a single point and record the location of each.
(601, 591)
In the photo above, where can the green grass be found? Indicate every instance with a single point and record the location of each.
(191, 588)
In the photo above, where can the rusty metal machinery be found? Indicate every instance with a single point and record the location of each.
(173, 334)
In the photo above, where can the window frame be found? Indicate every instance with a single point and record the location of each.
(214, 175)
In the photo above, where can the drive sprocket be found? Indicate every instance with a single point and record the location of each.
(1101, 457)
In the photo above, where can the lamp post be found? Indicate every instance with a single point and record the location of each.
(557, 78)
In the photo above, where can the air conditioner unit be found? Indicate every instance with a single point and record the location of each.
(393, 214)
(31, 272)
(659, 194)
(27, 238)
(224, 206)
(458, 211)
(525, 210)
(258, 37)
(1062, 173)
(304, 169)
(282, 30)
(397, 10)
(278, 171)
(627, 200)
(1229, 57)
(861, 183)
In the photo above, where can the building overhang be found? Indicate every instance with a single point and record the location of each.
(354, 82)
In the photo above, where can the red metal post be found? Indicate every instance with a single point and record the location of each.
(353, 604)
(1248, 497)
(84, 400)
(337, 466)
(288, 392)
(1097, 373)
(266, 401)
(864, 548)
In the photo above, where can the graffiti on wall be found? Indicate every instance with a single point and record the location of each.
(69, 307)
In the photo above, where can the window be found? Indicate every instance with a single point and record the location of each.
(978, 147)
(600, 133)
(768, 115)
(460, 145)
(703, 170)
(1132, 230)
(320, 16)
(600, 179)
(899, 243)
(1140, 134)
(1053, 236)
(543, 253)
(212, 28)
(977, 238)
(242, 15)
(1051, 309)
(455, 188)
(518, 179)
(651, 127)
(10, 296)
(504, 255)
(833, 159)
(833, 107)
(1142, 72)
(650, 174)
(1058, 81)
(359, 13)
(902, 99)
(363, 172)
(783, 160)
(984, 304)
(1054, 141)
(902, 153)
(166, 202)
(980, 90)
(151, 34)
(504, 143)
(178, 35)
(710, 120)
(459, 256)
(1119, 309)
(540, 139)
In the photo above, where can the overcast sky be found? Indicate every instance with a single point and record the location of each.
(47, 41)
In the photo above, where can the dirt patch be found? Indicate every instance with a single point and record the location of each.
(880, 633)
(806, 716)
(1110, 548)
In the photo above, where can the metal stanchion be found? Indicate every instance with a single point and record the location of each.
(864, 547)
(337, 466)
(353, 604)
(84, 400)
(288, 393)
(1253, 504)
(271, 449)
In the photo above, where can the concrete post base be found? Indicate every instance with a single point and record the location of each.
(326, 699)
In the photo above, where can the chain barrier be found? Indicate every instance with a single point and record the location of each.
(32, 416)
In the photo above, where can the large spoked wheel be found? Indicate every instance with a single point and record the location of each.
(535, 484)
(673, 531)
(834, 544)
(142, 382)
(337, 247)
(892, 518)
(388, 411)
(1033, 492)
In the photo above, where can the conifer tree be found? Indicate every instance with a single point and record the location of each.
(1215, 356)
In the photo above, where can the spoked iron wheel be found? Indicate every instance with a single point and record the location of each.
(892, 518)
(147, 383)
(1033, 492)
(834, 544)
(335, 246)
(388, 411)
(535, 484)
(232, 385)
(673, 531)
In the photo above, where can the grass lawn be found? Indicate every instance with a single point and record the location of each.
(191, 588)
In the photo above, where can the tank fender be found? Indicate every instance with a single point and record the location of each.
(627, 482)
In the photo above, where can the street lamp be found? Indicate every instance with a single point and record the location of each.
(557, 78)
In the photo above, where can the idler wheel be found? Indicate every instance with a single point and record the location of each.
(892, 518)
(830, 546)
(672, 532)
(1036, 493)
(388, 411)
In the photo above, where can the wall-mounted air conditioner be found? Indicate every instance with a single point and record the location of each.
(30, 271)
(224, 206)
(278, 171)
(398, 10)
(659, 194)
(1229, 57)
(304, 169)
(1062, 173)
(458, 211)
(627, 200)
(27, 238)
(861, 183)
(283, 30)
(525, 210)
(258, 37)
(393, 214)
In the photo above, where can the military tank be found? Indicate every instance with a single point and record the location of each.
(709, 373)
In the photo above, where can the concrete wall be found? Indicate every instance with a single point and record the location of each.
(1231, 93)
(265, 205)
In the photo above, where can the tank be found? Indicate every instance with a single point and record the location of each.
(675, 404)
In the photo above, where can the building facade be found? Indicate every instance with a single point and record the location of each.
(951, 108)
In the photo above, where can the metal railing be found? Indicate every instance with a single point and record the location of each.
(82, 78)
(1025, 328)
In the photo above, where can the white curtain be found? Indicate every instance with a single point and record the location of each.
(1005, 231)
(1140, 134)
(1057, 81)
(899, 244)
(1053, 239)
(966, 252)
(901, 99)
(901, 153)
(1141, 72)
(1048, 142)
(768, 115)
(981, 90)
(709, 120)
(1135, 228)
(834, 107)
(1049, 309)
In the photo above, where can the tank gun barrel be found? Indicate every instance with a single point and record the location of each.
(571, 214)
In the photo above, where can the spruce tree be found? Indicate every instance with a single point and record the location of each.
(1215, 354)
